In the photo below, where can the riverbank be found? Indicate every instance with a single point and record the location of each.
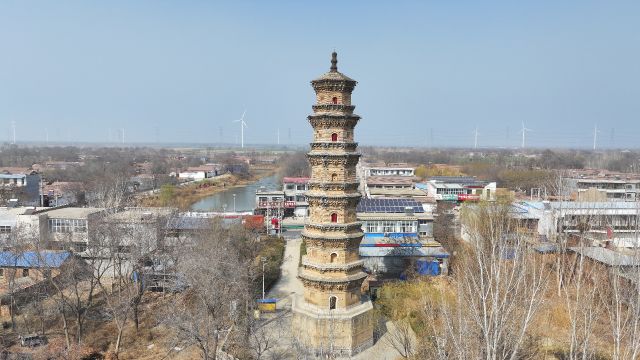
(184, 196)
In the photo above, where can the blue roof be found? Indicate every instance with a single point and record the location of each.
(33, 259)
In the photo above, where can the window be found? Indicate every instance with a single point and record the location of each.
(300, 198)
(374, 227)
(262, 199)
(300, 187)
(290, 186)
(388, 226)
(67, 225)
(25, 272)
(334, 217)
(334, 100)
(407, 226)
(334, 257)
(332, 302)
(334, 177)
(334, 137)
(5, 229)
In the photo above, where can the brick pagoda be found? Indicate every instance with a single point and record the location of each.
(333, 315)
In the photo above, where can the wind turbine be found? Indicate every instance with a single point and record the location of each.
(242, 126)
(524, 131)
(475, 140)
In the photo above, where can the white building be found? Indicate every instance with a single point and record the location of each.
(388, 171)
(459, 188)
(199, 172)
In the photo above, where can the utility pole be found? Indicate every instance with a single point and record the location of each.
(13, 124)
(278, 136)
(264, 262)
(595, 136)
(234, 202)
(122, 135)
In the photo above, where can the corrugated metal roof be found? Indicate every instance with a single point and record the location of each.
(33, 259)
(607, 256)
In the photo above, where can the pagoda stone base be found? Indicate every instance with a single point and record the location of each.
(343, 332)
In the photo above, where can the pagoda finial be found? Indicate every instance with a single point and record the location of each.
(334, 62)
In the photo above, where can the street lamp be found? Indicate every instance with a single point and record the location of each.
(264, 262)
(234, 202)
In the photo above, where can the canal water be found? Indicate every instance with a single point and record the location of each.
(245, 196)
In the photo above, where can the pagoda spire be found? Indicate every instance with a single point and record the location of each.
(334, 62)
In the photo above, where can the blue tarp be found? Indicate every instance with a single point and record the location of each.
(425, 267)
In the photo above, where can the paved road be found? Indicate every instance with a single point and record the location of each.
(288, 283)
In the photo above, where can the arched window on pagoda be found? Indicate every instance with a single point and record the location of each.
(334, 100)
(334, 137)
(332, 302)
(334, 257)
(334, 217)
(334, 177)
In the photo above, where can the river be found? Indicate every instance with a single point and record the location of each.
(245, 196)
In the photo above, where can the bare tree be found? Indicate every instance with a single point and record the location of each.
(401, 338)
(215, 303)
(498, 288)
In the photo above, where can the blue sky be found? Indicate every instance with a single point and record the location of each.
(181, 71)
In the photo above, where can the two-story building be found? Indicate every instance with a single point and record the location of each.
(459, 188)
(606, 189)
(397, 233)
(295, 189)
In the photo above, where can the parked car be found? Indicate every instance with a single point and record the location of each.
(33, 340)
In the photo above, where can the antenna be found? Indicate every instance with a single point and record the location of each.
(524, 131)
(595, 136)
(242, 126)
(13, 124)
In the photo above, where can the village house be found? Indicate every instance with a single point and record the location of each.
(398, 234)
(200, 172)
(24, 273)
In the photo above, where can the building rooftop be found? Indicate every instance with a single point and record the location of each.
(333, 73)
(388, 205)
(295, 180)
(462, 180)
(206, 167)
(606, 256)
(15, 170)
(33, 259)
(141, 213)
(71, 212)
(389, 180)
(435, 251)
